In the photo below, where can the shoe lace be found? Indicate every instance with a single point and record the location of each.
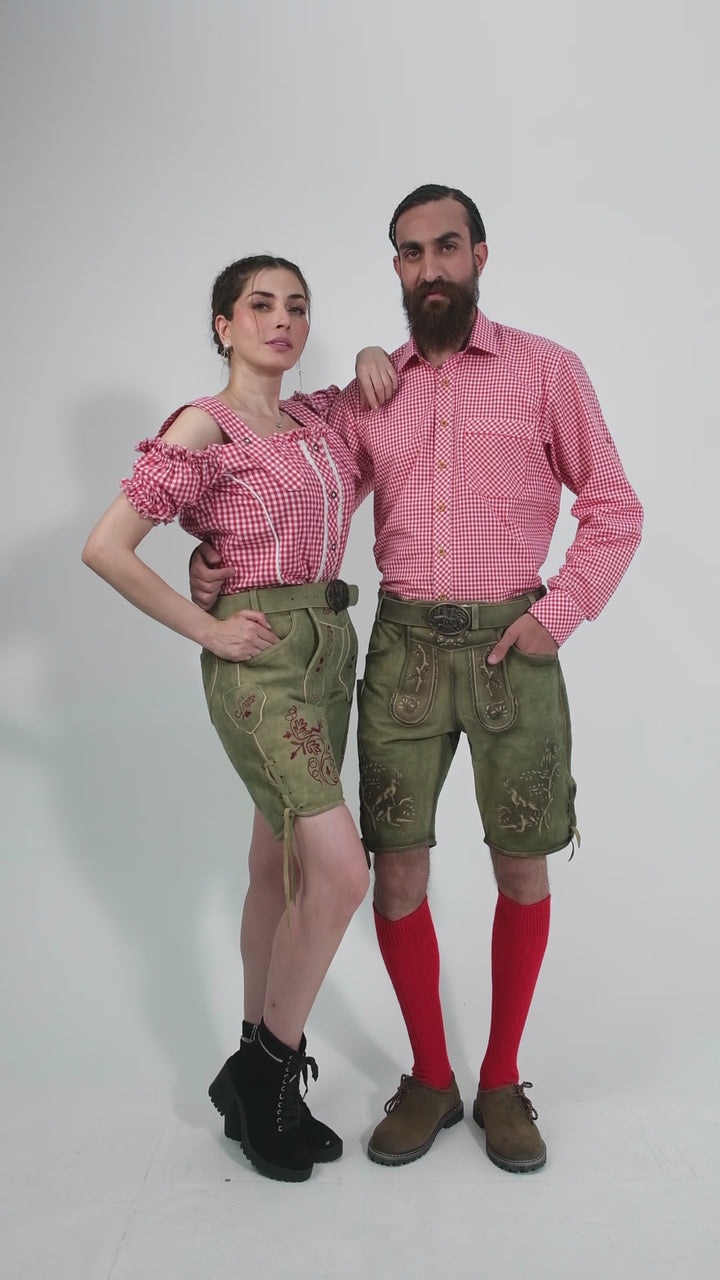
(306, 1063)
(290, 1100)
(520, 1093)
(400, 1093)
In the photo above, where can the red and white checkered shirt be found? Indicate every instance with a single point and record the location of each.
(468, 462)
(277, 509)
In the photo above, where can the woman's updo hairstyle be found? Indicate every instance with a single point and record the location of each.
(232, 281)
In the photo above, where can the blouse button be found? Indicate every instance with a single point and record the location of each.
(246, 439)
(333, 493)
(316, 447)
(333, 546)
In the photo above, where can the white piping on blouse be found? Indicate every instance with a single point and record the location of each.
(316, 469)
(273, 530)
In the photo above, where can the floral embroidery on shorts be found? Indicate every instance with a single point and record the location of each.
(309, 740)
(329, 646)
(530, 805)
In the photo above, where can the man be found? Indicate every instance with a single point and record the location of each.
(467, 462)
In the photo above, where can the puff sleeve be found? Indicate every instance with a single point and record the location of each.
(168, 477)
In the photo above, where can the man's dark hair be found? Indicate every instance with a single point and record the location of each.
(434, 191)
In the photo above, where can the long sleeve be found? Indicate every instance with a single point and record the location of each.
(583, 457)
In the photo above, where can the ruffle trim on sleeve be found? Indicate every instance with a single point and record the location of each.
(319, 402)
(167, 477)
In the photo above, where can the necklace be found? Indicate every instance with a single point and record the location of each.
(277, 423)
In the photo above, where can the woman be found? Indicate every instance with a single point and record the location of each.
(272, 489)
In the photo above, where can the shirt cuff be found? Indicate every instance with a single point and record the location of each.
(558, 614)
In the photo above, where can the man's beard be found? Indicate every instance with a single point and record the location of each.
(441, 326)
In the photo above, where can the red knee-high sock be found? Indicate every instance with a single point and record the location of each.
(519, 939)
(410, 951)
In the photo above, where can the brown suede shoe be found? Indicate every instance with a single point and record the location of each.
(512, 1139)
(414, 1117)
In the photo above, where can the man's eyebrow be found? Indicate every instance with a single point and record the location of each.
(441, 239)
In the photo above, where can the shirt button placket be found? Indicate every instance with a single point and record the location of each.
(334, 507)
(444, 458)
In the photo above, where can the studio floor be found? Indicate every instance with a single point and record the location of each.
(112, 1188)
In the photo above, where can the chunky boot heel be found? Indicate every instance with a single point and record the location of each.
(233, 1125)
(222, 1096)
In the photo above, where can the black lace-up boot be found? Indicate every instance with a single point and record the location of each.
(258, 1093)
(324, 1144)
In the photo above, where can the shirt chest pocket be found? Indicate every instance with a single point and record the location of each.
(495, 455)
(261, 482)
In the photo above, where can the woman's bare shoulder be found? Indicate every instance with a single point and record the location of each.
(194, 428)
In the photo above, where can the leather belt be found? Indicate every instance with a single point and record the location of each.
(335, 595)
(452, 617)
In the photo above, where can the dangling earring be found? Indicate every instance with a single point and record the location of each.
(299, 371)
(226, 353)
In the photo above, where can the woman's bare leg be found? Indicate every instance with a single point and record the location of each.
(263, 910)
(333, 882)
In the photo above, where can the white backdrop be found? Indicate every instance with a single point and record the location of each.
(148, 143)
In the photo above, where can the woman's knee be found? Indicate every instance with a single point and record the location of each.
(346, 880)
(337, 885)
(333, 861)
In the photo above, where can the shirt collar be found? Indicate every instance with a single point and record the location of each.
(482, 338)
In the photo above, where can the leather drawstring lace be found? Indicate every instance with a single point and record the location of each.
(401, 1092)
(529, 1108)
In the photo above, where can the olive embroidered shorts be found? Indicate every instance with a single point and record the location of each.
(426, 681)
(283, 716)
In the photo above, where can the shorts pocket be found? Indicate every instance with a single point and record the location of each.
(333, 659)
(495, 705)
(413, 698)
(244, 708)
(496, 456)
(283, 624)
(536, 659)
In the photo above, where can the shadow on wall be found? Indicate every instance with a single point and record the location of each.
(114, 726)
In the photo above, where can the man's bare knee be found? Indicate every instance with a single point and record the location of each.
(401, 881)
(525, 880)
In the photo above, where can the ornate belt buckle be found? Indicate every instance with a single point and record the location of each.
(448, 619)
(337, 594)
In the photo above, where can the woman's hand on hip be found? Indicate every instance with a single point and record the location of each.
(243, 635)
